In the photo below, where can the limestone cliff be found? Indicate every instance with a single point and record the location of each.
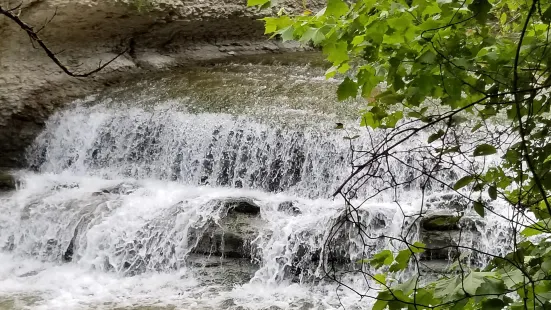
(158, 33)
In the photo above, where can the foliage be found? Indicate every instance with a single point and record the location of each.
(484, 65)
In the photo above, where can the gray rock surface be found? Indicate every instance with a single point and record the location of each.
(159, 34)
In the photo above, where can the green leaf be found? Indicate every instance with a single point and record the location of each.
(336, 8)
(380, 304)
(428, 57)
(408, 286)
(493, 304)
(331, 72)
(484, 149)
(287, 33)
(464, 181)
(313, 34)
(474, 280)
(503, 18)
(546, 16)
(537, 228)
(380, 278)
(392, 119)
(347, 89)
(435, 136)
(344, 67)
(401, 261)
(476, 127)
(337, 53)
(480, 9)
(491, 286)
(257, 2)
(384, 257)
(492, 191)
(479, 208)
(417, 247)
(339, 126)
(369, 119)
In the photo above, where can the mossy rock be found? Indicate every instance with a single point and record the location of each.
(441, 222)
(7, 182)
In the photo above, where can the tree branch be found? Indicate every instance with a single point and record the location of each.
(33, 35)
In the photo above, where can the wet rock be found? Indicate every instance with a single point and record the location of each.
(289, 208)
(227, 303)
(441, 221)
(306, 306)
(437, 266)
(68, 254)
(7, 182)
(242, 205)
(225, 271)
(440, 245)
(450, 202)
(119, 189)
(65, 186)
(232, 235)
(30, 274)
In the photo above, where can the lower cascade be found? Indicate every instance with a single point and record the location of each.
(158, 207)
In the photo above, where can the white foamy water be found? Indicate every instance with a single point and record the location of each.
(130, 249)
(120, 197)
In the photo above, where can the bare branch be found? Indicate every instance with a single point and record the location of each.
(33, 35)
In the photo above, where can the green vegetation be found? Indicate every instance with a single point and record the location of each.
(479, 66)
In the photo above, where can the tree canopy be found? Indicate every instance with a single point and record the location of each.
(479, 66)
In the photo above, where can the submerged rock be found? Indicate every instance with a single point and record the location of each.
(224, 271)
(232, 235)
(119, 189)
(289, 208)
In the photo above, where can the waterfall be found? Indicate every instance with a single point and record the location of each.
(128, 205)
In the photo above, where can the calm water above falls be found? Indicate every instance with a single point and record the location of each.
(122, 187)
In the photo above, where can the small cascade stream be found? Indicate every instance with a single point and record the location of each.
(153, 204)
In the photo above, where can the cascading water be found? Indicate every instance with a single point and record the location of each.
(126, 203)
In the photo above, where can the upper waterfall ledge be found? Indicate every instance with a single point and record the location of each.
(85, 33)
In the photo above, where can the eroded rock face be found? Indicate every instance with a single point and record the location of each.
(157, 34)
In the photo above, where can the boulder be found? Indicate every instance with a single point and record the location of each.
(232, 235)
(441, 221)
(439, 245)
(289, 208)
